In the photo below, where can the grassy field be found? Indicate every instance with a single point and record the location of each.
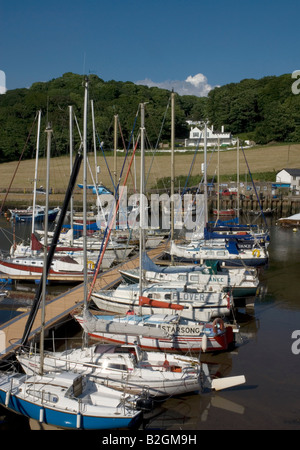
(259, 159)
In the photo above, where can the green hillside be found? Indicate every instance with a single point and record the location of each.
(263, 110)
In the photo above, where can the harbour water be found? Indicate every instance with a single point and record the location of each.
(267, 353)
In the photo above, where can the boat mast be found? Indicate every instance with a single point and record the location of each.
(205, 176)
(44, 280)
(218, 182)
(142, 205)
(85, 189)
(71, 165)
(238, 177)
(172, 165)
(115, 152)
(35, 173)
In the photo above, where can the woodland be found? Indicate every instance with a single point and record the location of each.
(263, 111)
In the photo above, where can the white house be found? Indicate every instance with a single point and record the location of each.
(196, 136)
(289, 176)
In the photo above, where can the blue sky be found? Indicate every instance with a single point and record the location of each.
(188, 45)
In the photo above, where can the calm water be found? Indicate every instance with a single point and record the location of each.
(270, 399)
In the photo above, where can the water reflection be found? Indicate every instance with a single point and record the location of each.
(270, 397)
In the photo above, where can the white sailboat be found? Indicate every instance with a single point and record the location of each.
(164, 332)
(224, 252)
(240, 281)
(124, 367)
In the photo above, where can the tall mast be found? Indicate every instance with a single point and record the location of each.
(172, 165)
(238, 177)
(36, 170)
(142, 206)
(218, 182)
(205, 176)
(44, 280)
(71, 165)
(85, 189)
(115, 152)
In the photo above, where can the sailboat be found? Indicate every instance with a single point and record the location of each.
(241, 282)
(227, 253)
(124, 367)
(68, 399)
(163, 332)
(25, 215)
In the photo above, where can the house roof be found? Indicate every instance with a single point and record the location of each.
(293, 172)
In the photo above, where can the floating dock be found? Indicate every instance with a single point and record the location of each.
(58, 309)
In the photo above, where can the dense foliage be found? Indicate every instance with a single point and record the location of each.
(262, 110)
(265, 110)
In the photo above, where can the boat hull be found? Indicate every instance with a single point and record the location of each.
(66, 419)
(168, 337)
(182, 344)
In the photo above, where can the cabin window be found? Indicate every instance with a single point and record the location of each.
(194, 278)
(116, 366)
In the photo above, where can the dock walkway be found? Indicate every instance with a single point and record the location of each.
(58, 309)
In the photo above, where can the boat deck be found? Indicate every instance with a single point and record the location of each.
(58, 309)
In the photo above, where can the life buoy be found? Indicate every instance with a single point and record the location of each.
(218, 325)
(91, 265)
(256, 252)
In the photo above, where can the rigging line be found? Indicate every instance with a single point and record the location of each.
(108, 232)
(129, 143)
(158, 139)
(124, 146)
(254, 187)
(115, 188)
(189, 174)
(21, 156)
(109, 171)
(192, 165)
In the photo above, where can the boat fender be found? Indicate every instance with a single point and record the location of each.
(218, 325)
(78, 420)
(204, 343)
(144, 404)
(256, 253)
(41, 417)
(7, 397)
